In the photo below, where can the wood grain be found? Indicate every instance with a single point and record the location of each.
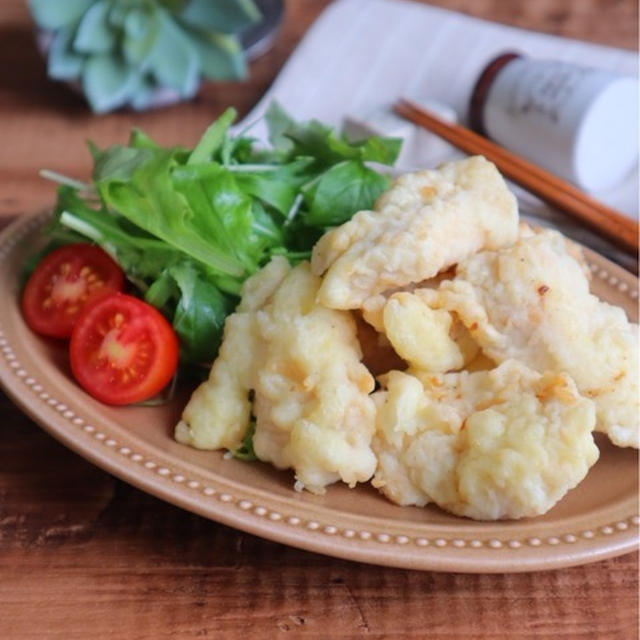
(83, 555)
(45, 124)
(95, 554)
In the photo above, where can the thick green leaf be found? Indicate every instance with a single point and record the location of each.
(342, 190)
(266, 231)
(381, 150)
(246, 451)
(107, 82)
(373, 149)
(278, 123)
(296, 172)
(53, 14)
(139, 255)
(118, 14)
(316, 140)
(313, 139)
(236, 150)
(140, 140)
(213, 138)
(224, 214)
(140, 30)
(278, 194)
(137, 20)
(200, 314)
(221, 55)
(119, 162)
(162, 290)
(95, 34)
(145, 194)
(309, 139)
(175, 6)
(173, 60)
(63, 62)
(228, 16)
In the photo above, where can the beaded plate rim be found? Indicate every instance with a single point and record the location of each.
(319, 529)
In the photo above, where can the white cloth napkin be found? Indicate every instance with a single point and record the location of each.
(363, 54)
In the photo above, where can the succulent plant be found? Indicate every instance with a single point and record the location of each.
(142, 53)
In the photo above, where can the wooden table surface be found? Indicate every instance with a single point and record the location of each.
(83, 555)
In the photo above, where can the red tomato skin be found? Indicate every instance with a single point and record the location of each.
(57, 319)
(98, 377)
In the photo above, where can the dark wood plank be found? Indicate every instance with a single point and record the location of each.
(41, 118)
(93, 554)
(83, 555)
(612, 22)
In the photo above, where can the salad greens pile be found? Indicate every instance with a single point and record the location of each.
(189, 226)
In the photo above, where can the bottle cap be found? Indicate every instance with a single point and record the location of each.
(481, 90)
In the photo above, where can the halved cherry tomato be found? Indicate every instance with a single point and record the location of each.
(63, 283)
(122, 350)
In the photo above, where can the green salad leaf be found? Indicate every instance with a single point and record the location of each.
(189, 226)
(200, 309)
(344, 188)
(245, 451)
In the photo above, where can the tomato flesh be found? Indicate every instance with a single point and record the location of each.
(123, 350)
(63, 283)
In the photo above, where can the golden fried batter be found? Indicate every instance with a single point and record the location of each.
(425, 223)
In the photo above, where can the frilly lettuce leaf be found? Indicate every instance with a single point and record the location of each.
(189, 226)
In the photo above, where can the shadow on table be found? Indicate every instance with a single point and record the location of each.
(23, 75)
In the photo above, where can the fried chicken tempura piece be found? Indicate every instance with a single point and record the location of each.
(506, 443)
(218, 413)
(425, 223)
(531, 302)
(311, 392)
(428, 339)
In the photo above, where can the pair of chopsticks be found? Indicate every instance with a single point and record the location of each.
(620, 229)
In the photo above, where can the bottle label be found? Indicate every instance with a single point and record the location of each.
(544, 88)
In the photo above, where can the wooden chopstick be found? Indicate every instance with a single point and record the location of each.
(619, 228)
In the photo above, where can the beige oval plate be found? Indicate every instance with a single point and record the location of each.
(598, 519)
